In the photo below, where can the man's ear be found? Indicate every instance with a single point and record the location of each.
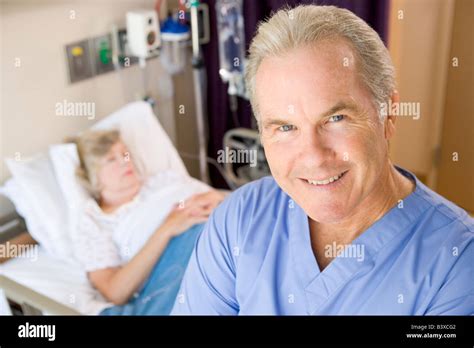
(390, 119)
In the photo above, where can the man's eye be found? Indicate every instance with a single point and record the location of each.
(286, 128)
(336, 118)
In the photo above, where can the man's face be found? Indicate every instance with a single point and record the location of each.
(317, 123)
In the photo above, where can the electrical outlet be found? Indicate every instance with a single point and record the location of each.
(79, 62)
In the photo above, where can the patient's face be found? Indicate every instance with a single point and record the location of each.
(117, 171)
(318, 123)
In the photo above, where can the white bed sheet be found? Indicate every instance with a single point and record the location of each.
(65, 282)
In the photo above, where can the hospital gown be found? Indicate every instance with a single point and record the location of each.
(255, 257)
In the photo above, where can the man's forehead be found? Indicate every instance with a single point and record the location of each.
(309, 75)
(323, 64)
(333, 54)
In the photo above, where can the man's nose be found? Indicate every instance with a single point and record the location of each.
(314, 149)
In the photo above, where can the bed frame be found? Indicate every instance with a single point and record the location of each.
(25, 301)
(21, 299)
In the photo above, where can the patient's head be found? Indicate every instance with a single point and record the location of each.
(106, 168)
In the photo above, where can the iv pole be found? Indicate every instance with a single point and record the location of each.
(199, 87)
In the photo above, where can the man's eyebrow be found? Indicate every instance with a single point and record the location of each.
(274, 122)
(339, 106)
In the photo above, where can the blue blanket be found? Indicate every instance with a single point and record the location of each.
(158, 294)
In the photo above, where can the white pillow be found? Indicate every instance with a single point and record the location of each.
(37, 198)
(65, 161)
(147, 141)
(149, 146)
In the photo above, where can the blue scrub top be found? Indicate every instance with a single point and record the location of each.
(255, 257)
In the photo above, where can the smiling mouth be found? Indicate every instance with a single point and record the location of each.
(326, 181)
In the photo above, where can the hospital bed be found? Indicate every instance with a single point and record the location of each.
(46, 287)
(52, 284)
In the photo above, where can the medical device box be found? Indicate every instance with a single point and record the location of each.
(143, 33)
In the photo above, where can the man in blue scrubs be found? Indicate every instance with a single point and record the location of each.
(337, 229)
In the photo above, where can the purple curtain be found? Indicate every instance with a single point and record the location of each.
(374, 12)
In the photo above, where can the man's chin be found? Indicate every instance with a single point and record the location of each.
(325, 214)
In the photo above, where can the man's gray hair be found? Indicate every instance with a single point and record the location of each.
(304, 25)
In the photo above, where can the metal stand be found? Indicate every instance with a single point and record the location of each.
(199, 87)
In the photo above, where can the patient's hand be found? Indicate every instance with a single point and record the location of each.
(207, 200)
(195, 210)
(183, 217)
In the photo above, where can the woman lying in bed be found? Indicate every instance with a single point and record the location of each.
(148, 281)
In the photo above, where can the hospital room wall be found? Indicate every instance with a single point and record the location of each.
(36, 32)
(419, 41)
(454, 179)
(423, 43)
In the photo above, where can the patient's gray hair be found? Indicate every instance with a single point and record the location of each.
(304, 25)
(92, 146)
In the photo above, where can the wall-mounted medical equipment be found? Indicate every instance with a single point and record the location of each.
(89, 57)
(143, 33)
(121, 48)
(102, 59)
(175, 36)
(78, 55)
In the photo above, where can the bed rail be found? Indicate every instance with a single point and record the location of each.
(32, 302)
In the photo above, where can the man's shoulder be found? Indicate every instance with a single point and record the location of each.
(263, 184)
(260, 190)
(447, 212)
(257, 203)
(444, 230)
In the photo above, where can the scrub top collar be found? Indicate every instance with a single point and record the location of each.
(320, 285)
